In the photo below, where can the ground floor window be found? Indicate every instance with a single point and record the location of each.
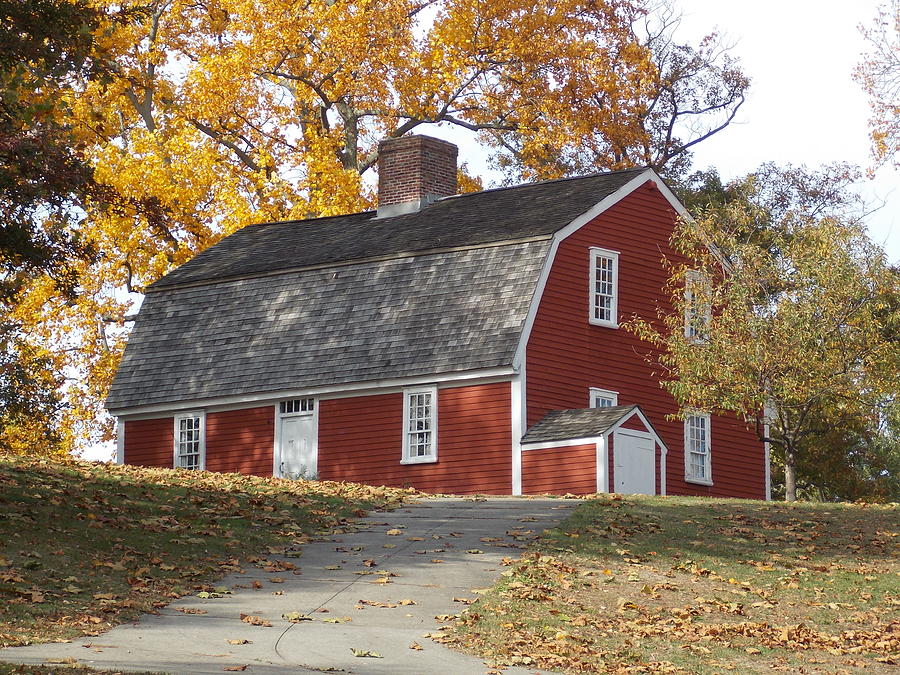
(419, 425)
(190, 441)
(697, 449)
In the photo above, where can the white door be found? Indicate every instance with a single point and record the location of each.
(634, 464)
(298, 447)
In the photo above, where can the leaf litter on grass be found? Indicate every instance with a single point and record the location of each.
(84, 546)
(669, 585)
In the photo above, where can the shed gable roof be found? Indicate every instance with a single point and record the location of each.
(561, 425)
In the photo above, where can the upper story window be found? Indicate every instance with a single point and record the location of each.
(697, 449)
(603, 398)
(419, 425)
(190, 440)
(604, 287)
(297, 405)
(697, 310)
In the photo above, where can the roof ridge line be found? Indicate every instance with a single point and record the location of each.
(593, 174)
(346, 263)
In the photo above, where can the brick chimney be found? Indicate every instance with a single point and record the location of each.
(413, 171)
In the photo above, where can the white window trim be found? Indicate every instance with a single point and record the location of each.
(180, 416)
(614, 310)
(594, 392)
(433, 457)
(691, 279)
(688, 477)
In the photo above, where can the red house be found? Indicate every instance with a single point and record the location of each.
(452, 343)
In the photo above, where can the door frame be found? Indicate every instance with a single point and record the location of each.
(646, 435)
(279, 416)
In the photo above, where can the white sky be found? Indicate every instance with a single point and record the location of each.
(803, 107)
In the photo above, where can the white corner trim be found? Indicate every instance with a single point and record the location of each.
(276, 451)
(120, 441)
(517, 421)
(598, 208)
(603, 464)
(662, 470)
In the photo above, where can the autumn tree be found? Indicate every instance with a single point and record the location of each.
(695, 92)
(798, 310)
(44, 44)
(879, 75)
(228, 112)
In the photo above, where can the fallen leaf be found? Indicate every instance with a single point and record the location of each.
(296, 617)
(235, 669)
(240, 641)
(365, 653)
(255, 620)
(337, 619)
(416, 646)
(394, 533)
(406, 601)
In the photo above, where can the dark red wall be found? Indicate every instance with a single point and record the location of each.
(241, 441)
(150, 442)
(571, 469)
(360, 440)
(567, 355)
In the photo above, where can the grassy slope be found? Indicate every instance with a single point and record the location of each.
(674, 584)
(85, 546)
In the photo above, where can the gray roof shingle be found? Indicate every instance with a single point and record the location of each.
(302, 304)
(409, 316)
(561, 425)
(463, 220)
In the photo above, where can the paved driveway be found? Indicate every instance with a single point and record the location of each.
(327, 585)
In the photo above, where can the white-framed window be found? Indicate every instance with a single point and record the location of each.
(190, 440)
(419, 425)
(297, 405)
(604, 290)
(697, 311)
(698, 449)
(603, 398)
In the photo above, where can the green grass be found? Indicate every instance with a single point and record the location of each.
(700, 586)
(86, 546)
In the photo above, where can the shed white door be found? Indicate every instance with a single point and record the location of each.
(298, 447)
(634, 464)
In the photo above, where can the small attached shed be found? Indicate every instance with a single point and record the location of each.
(611, 449)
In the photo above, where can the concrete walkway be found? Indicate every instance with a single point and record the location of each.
(434, 559)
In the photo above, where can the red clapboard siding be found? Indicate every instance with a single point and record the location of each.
(567, 355)
(241, 441)
(360, 440)
(150, 442)
(571, 469)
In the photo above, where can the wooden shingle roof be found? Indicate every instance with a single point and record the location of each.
(303, 304)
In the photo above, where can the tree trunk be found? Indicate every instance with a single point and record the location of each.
(790, 475)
